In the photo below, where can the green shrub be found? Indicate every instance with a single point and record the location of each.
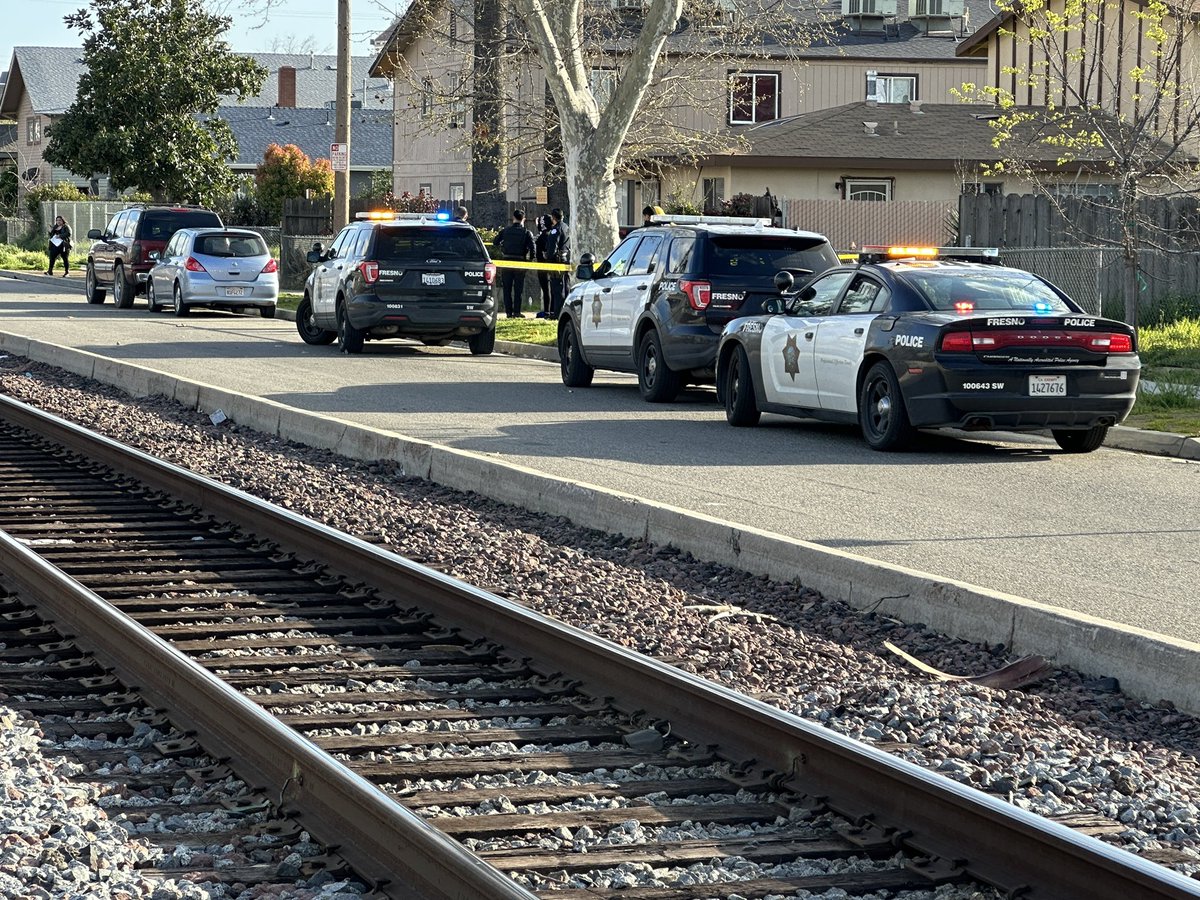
(43, 193)
(18, 259)
(1176, 344)
(677, 204)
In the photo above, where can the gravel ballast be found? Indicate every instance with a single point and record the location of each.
(1068, 745)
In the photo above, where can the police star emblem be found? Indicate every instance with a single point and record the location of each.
(791, 357)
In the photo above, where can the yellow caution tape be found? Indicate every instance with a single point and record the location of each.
(539, 266)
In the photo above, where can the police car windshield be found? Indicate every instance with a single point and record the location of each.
(423, 244)
(987, 291)
(759, 254)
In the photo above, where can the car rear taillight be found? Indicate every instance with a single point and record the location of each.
(957, 342)
(193, 265)
(489, 272)
(699, 293)
(370, 271)
(1111, 343)
(135, 252)
(270, 267)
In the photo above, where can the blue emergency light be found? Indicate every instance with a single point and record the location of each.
(443, 217)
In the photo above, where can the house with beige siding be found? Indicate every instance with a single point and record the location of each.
(891, 52)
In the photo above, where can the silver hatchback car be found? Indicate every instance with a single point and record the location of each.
(215, 267)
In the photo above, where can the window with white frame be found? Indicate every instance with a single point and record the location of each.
(753, 97)
(976, 188)
(426, 189)
(458, 192)
(458, 109)
(603, 81)
(714, 194)
(33, 130)
(427, 97)
(885, 87)
(867, 188)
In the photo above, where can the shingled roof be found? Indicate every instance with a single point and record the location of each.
(50, 75)
(312, 131)
(940, 135)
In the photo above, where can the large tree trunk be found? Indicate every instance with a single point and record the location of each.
(489, 200)
(591, 183)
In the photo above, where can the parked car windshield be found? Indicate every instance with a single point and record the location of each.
(234, 245)
(760, 254)
(424, 244)
(159, 225)
(965, 291)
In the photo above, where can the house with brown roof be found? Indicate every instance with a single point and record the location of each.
(889, 51)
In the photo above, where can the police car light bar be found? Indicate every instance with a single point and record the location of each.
(385, 215)
(881, 252)
(668, 219)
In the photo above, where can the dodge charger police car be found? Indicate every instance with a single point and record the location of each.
(927, 338)
(658, 304)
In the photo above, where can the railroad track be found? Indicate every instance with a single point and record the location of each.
(451, 743)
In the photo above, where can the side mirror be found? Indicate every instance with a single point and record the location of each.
(313, 256)
(772, 306)
(95, 234)
(154, 256)
(585, 271)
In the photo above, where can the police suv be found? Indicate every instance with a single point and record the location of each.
(658, 304)
(390, 275)
(926, 338)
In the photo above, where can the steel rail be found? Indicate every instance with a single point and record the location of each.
(992, 841)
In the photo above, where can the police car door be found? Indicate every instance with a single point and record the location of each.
(841, 340)
(634, 292)
(789, 374)
(328, 273)
(596, 314)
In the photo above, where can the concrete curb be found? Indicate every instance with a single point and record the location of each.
(1149, 665)
(1156, 443)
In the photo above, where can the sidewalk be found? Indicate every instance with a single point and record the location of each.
(1138, 440)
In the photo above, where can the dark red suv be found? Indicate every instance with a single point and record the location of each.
(120, 255)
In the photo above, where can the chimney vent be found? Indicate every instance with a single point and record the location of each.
(869, 128)
(287, 87)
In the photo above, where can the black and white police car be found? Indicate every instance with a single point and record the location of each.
(658, 304)
(915, 337)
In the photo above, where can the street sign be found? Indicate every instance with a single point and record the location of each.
(339, 157)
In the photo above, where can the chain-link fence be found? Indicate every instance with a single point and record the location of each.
(1075, 270)
(293, 267)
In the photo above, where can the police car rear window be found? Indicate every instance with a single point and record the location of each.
(987, 290)
(425, 244)
(757, 254)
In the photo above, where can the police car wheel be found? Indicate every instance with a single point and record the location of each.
(575, 372)
(483, 343)
(881, 412)
(657, 382)
(741, 407)
(306, 325)
(1080, 440)
(350, 339)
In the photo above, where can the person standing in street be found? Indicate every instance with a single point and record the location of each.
(541, 254)
(559, 250)
(60, 245)
(514, 242)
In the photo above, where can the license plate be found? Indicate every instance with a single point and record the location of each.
(235, 292)
(1047, 385)
(433, 278)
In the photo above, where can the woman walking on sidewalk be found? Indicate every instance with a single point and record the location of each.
(60, 245)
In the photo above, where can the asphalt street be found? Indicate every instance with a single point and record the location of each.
(1112, 534)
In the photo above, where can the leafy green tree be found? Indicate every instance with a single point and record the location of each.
(44, 193)
(288, 172)
(156, 71)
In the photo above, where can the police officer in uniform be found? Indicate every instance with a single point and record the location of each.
(514, 242)
(558, 249)
(542, 255)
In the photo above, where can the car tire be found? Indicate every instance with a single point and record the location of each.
(152, 303)
(1080, 440)
(267, 312)
(91, 288)
(882, 415)
(310, 332)
(181, 309)
(122, 292)
(657, 382)
(575, 372)
(483, 343)
(741, 406)
(349, 338)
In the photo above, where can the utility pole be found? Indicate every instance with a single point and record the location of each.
(341, 178)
